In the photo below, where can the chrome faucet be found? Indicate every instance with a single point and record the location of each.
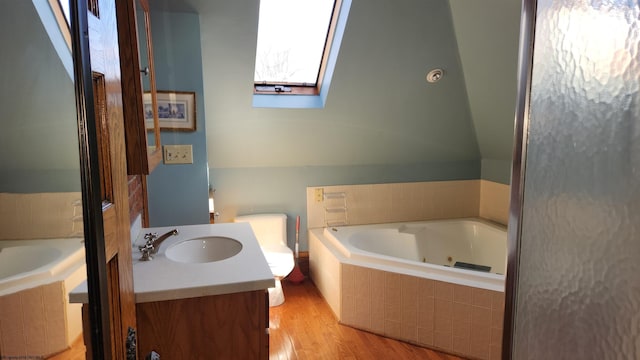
(152, 244)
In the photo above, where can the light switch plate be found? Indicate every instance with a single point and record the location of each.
(178, 154)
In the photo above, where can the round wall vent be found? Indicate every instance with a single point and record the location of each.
(435, 75)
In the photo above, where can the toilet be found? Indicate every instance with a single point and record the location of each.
(271, 232)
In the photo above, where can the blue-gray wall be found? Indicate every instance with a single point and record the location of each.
(38, 141)
(178, 193)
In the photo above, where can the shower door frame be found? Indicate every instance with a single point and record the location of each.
(518, 169)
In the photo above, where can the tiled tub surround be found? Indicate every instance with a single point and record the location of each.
(409, 306)
(398, 202)
(454, 318)
(40, 215)
(36, 318)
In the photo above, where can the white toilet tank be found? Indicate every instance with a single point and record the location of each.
(270, 229)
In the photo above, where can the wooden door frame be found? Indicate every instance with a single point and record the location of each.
(90, 182)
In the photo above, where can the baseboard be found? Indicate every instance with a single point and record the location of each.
(303, 262)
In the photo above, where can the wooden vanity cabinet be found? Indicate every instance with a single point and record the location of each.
(229, 326)
(144, 150)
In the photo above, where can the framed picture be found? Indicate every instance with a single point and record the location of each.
(176, 110)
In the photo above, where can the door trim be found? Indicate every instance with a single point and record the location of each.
(518, 168)
(90, 180)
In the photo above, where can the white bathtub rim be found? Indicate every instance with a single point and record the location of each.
(364, 255)
(73, 253)
(27, 256)
(492, 282)
(356, 251)
(410, 224)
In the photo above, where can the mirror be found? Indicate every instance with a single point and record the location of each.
(40, 186)
(147, 75)
(139, 96)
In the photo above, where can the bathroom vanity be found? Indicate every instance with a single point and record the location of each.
(227, 326)
(203, 295)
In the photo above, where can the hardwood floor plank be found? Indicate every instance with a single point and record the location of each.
(76, 352)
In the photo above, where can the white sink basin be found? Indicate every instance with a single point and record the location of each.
(203, 250)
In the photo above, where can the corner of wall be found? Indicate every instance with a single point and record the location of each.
(494, 201)
(496, 170)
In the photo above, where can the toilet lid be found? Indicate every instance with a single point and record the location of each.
(280, 259)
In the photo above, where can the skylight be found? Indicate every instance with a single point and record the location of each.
(293, 36)
(64, 4)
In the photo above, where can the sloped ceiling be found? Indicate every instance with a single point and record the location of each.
(487, 33)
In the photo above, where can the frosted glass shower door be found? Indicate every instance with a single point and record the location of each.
(578, 290)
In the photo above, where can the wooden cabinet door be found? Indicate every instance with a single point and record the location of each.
(105, 68)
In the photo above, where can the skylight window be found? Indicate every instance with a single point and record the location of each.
(64, 4)
(294, 37)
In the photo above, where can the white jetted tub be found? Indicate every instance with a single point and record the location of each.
(409, 280)
(36, 318)
(431, 246)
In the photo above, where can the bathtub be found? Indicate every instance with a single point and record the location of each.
(36, 318)
(429, 248)
(411, 281)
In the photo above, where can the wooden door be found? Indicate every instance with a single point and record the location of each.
(107, 90)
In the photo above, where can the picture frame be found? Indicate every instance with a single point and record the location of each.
(176, 110)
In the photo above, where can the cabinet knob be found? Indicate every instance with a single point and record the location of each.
(145, 71)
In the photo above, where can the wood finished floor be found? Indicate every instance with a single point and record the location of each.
(304, 327)
(77, 352)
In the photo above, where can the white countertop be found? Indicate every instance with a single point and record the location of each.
(162, 279)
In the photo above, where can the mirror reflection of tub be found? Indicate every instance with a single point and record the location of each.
(41, 259)
(35, 276)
